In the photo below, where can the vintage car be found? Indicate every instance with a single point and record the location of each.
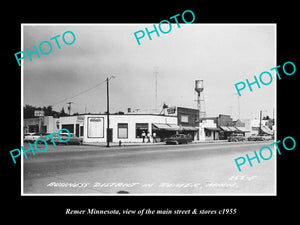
(64, 136)
(31, 137)
(178, 139)
(236, 137)
(255, 138)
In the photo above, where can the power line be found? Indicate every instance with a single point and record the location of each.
(80, 93)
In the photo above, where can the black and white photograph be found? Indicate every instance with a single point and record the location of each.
(172, 108)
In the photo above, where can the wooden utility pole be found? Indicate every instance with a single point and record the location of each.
(107, 111)
(69, 107)
(260, 115)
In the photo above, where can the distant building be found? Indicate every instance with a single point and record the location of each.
(267, 126)
(211, 131)
(226, 126)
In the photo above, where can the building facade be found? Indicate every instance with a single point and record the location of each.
(92, 128)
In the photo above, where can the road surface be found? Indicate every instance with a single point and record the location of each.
(192, 169)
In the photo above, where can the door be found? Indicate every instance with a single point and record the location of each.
(77, 130)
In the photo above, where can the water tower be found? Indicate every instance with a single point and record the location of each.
(199, 87)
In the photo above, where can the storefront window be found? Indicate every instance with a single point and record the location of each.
(69, 127)
(184, 119)
(139, 128)
(122, 130)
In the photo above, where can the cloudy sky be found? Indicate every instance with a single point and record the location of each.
(220, 54)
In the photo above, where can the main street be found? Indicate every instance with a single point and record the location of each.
(198, 168)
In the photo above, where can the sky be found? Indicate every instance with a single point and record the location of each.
(219, 54)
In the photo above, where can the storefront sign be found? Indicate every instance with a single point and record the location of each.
(171, 110)
(80, 119)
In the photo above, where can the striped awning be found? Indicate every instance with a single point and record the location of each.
(165, 126)
(225, 128)
(188, 128)
(232, 128)
(242, 129)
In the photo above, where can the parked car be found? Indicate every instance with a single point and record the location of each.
(255, 138)
(65, 136)
(179, 139)
(267, 137)
(31, 137)
(236, 137)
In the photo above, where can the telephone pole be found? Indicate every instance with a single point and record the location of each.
(260, 117)
(69, 107)
(108, 134)
(156, 72)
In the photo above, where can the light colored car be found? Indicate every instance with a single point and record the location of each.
(267, 137)
(31, 137)
(65, 136)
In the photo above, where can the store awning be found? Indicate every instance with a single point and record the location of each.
(267, 130)
(232, 128)
(212, 128)
(189, 128)
(165, 126)
(225, 128)
(242, 129)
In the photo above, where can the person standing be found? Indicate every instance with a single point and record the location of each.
(154, 137)
(143, 136)
(148, 136)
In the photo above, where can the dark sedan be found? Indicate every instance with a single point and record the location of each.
(255, 138)
(179, 139)
(236, 137)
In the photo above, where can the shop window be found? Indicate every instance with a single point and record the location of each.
(122, 130)
(139, 128)
(69, 127)
(184, 119)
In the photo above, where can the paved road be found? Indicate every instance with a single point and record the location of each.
(202, 168)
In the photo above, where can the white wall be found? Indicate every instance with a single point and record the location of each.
(131, 120)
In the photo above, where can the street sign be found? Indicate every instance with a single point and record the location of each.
(38, 113)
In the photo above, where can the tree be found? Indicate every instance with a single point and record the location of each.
(29, 111)
(48, 110)
(62, 112)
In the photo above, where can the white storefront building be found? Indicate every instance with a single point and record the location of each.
(123, 127)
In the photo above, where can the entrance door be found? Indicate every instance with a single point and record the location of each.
(77, 130)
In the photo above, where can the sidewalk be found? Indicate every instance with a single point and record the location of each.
(124, 144)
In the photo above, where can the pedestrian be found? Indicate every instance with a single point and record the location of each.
(143, 136)
(154, 137)
(148, 136)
